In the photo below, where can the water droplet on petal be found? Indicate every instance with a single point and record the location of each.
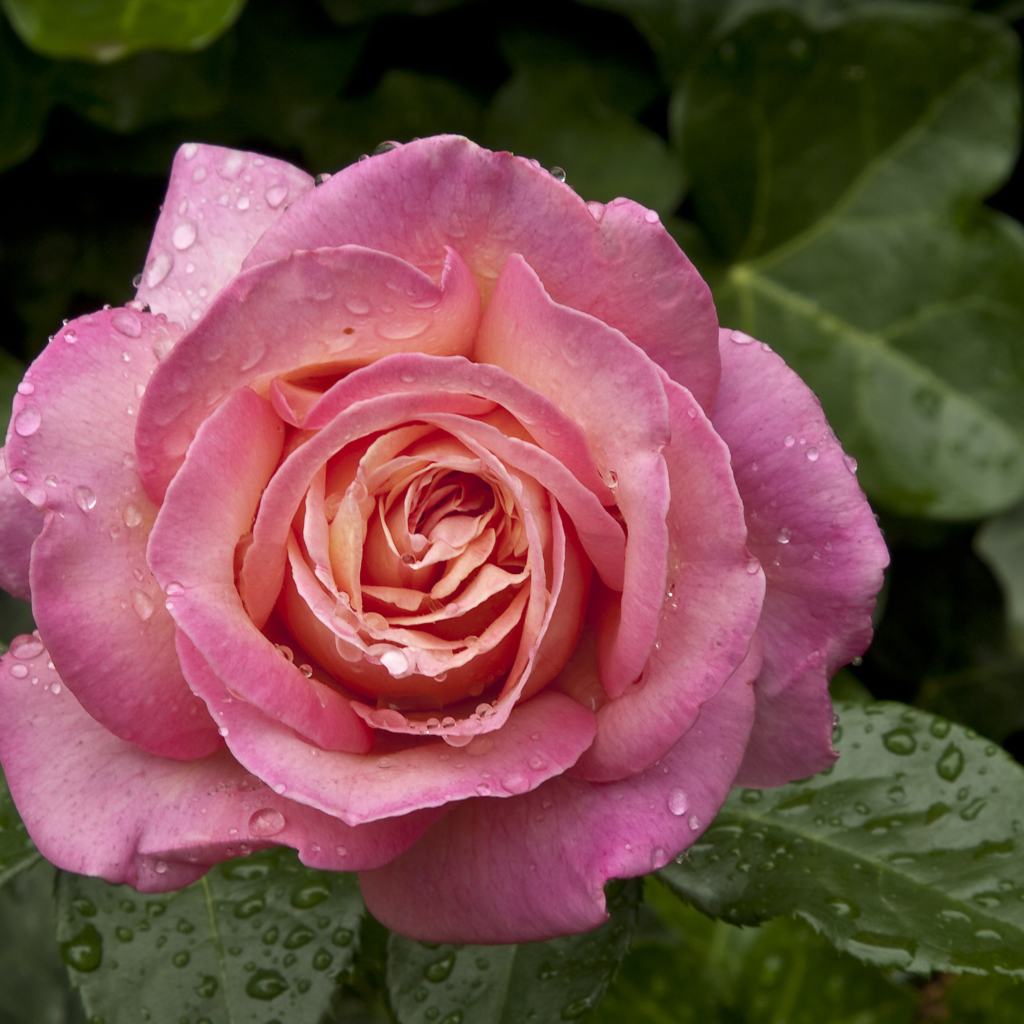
(812, 454)
(651, 216)
(395, 662)
(85, 499)
(26, 647)
(789, 441)
(157, 269)
(385, 147)
(741, 338)
(483, 789)
(851, 463)
(127, 323)
(694, 822)
(678, 803)
(199, 174)
(242, 203)
(558, 174)
(753, 566)
(26, 423)
(160, 867)
(174, 589)
(276, 195)
(515, 782)
(784, 535)
(71, 336)
(143, 604)
(26, 388)
(184, 235)
(19, 671)
(267, 821)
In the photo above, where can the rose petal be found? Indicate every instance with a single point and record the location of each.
(540, 740)
(615, 262)
(20, 523)
(333, 309)
(208, 507)
(100, 806)
(218, 202)
(94, 598)
(813, 530)
(608, 386)
(534, 867)
(710, 604)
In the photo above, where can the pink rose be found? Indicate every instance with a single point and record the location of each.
(425, 522)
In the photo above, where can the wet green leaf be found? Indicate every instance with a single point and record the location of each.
(907, 852)
(106, 30)
(685, 968)
(256, 938)
(17, 851)
(1000, 543)
(846, 188)
(575, 112)
(33, 983)
(536, 982)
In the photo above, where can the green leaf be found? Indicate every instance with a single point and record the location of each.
(987, 697)
(17, 851)
(348, 12)
(905, 853)
(575, 112)
(255, 938)
(106, 30)
(1000, 544)
(847, 189)
(686, 969)
(33, 983)
(537, 982)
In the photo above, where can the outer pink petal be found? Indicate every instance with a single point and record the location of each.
(615, 262)
(614, 392)
(94, 599)
(334, 308)
(534, 867)
(218, 203)
(813, 530)
(540, 740)
(209, 507)
(20, 523)
(710, 604)
(97, 805)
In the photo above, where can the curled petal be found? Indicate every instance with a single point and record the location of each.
(813, 531)
(94, 597)
(218, 203)
(615, 262)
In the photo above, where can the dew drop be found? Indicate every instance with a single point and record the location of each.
(143, 604)
(174, 589)
(483, 789)
(131, 516)
(26, 423)
(558, 174)
(812, 454)
(160, 867)
(900, 741)
(242, 203)
(851, 463)
(276, 195)
(784, 536)
(678, 803)
(694, 822)
(157, 269)
(515, 782)
(85, 499)
(789, 441)
(19, 671)
(184, 235)
(753, 566)
(951, 763)
(395, 662)
(26, 647)
(358, 307)
(71, 336)
(267, 821)
(385, 147)
(741, 338)
(26, 388)
(651, 216)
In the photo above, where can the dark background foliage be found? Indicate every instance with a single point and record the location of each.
(752, 129)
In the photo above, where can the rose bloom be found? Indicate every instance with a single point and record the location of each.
(424, 521)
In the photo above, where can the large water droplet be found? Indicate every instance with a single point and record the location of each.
(267, 821)
(812, 454)
(26, 647)
(26, 388)
(143, 604)
(440, 969)
(276, 195)
(127, 323)
(678, 803)
(184, 235)
(157, 269)
(900, 741)
(951, 763)
(741, 338)
(84, 497)
(85, 951)
(266, 984)
(26, 423)
(230, 167)
(515, 782)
